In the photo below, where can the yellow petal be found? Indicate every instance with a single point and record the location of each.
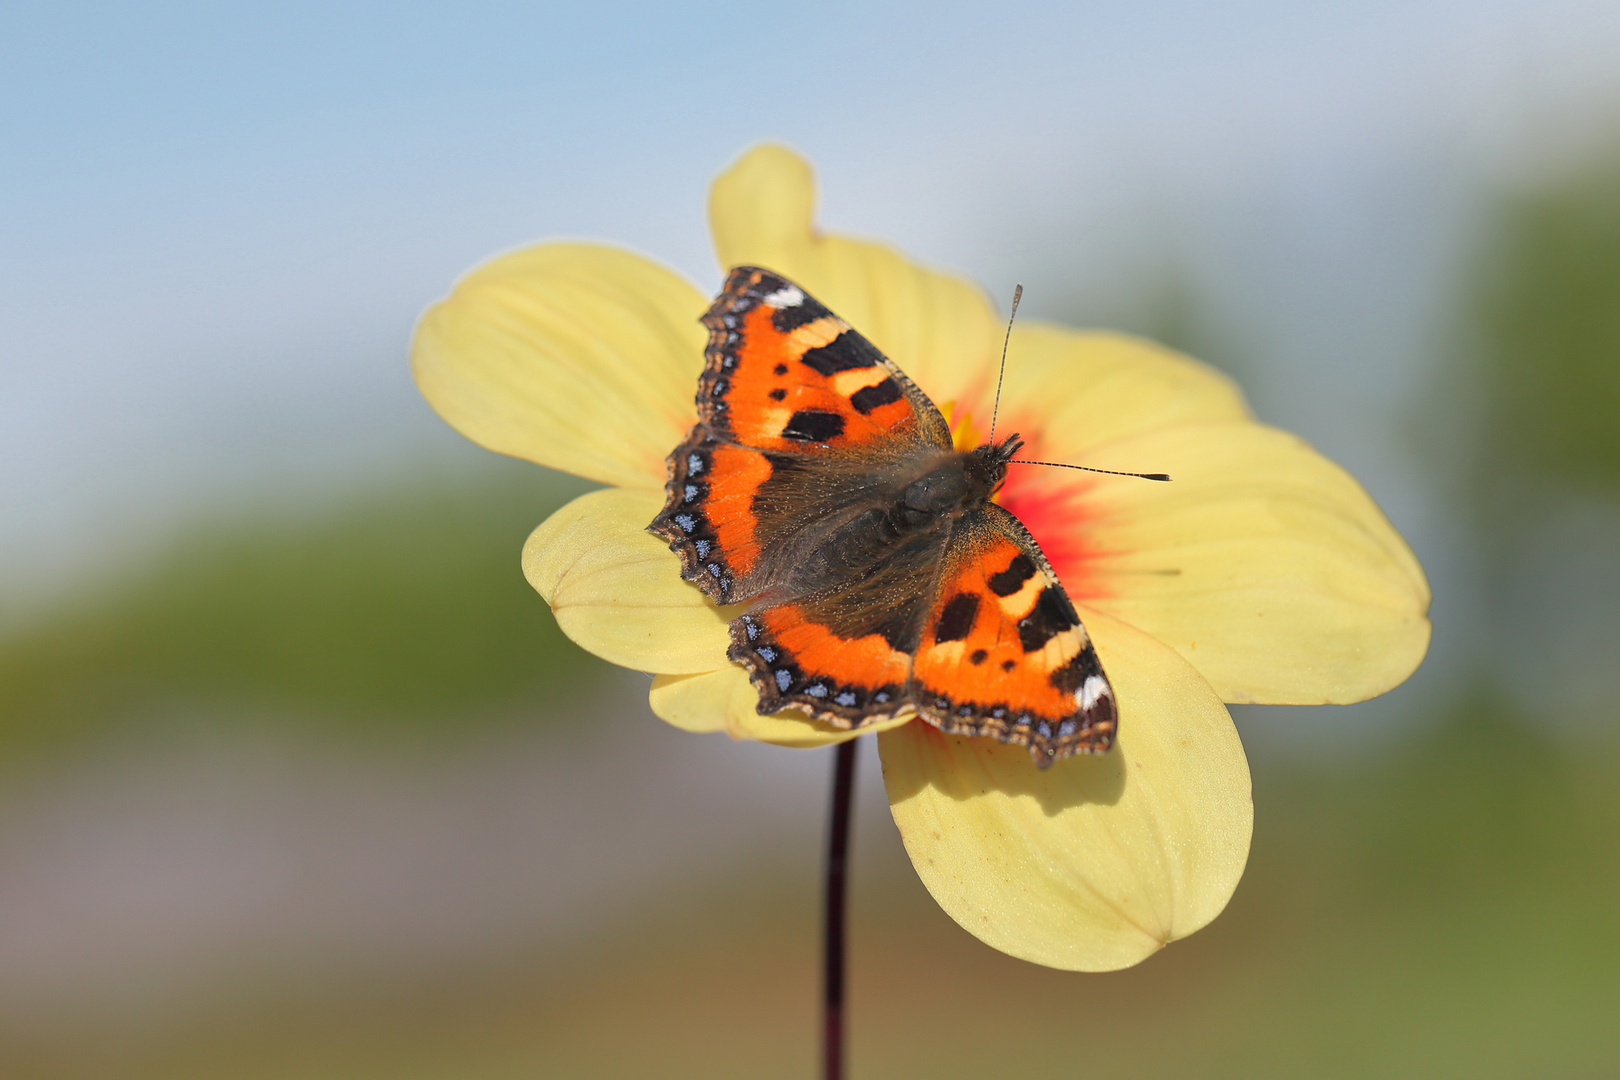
(698, 703)
(1097, 862)
(1067, 392)
(616, 589)
(939, 328)
(725, 700)
(578, 357)
(1262, 562)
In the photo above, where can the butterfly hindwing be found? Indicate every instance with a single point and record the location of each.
(1002, 652)
(797, 660)
(841, 648)
(993, 648)
(783, 373)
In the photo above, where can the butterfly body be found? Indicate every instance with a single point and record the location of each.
(820, 488)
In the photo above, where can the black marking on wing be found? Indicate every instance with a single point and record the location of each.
(1081, 666)
(1045, 621)
(957, 619)
(808, 310)
(848, 351)
(1010, 580)
(813, 425)
(871, 397)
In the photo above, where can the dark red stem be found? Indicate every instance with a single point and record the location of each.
(832, 971)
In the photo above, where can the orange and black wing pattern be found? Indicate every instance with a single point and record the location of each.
(842, 651)
(784, 374)
(709, 518)
(1002, 652)
(989, 645)
(786, 384)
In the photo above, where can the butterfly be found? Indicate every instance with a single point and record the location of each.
(821, 489)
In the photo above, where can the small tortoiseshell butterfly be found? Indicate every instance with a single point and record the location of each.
(820, 487)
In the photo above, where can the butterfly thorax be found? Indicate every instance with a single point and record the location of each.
(904, 527)
(957, 483)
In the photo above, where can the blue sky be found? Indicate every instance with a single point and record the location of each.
(218, 223)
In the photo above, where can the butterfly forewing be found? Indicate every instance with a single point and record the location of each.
(783, 373)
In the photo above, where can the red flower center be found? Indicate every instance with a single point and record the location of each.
(1057, 506)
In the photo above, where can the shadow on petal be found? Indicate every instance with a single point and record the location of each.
(968, 767)
(1095, 863)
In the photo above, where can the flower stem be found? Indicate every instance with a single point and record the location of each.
(832, 971)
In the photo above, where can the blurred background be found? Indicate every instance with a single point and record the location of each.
(297, 777)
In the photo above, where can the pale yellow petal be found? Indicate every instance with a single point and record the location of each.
(1263, 563)
(698, 703)
(579, 357)
(939, 328)
(725, 700)
(1067, 391)
(1097, 862)
(616, 589)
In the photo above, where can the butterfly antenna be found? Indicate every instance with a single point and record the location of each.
(1088, 468)
(1018, 294)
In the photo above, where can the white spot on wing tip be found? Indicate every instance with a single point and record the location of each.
(1095, 689)
(787, 296)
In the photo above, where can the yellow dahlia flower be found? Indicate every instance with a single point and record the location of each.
(1263, 573)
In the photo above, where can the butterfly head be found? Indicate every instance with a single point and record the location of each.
(986, 465)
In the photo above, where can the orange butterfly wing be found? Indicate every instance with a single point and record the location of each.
(1002, 652)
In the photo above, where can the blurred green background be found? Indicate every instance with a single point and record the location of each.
(299, 779)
